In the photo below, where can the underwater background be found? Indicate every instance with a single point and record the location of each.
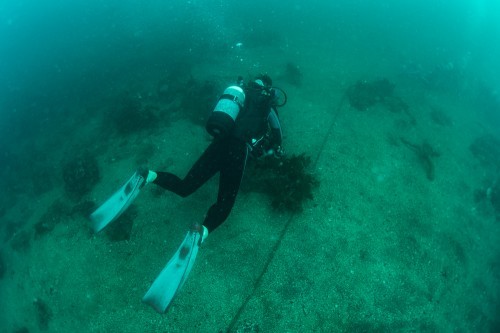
(384, 216)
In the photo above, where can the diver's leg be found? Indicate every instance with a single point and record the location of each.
(204, 168)
(231, 174)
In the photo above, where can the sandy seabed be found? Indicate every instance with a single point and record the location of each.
(380, 248)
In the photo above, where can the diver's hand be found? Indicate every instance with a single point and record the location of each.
(279, 152)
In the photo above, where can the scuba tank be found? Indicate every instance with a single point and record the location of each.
(223, 117)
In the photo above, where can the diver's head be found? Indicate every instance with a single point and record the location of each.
(264, 80)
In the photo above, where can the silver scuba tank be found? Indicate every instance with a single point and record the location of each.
(223, 117)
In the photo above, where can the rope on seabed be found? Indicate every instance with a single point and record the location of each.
(283, 232)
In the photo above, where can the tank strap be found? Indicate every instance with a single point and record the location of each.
(232, 98)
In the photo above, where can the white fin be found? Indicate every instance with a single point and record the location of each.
(117, 203)
(172, 277)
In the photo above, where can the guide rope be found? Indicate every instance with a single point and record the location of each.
(283, 232)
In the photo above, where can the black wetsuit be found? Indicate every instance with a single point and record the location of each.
(228, 155)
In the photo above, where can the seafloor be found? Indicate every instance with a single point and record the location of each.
(383, 246)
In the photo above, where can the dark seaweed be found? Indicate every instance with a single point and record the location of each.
(364, 94)
(425, 154)
(285, 181)
(43, 314)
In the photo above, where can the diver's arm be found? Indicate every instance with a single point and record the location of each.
(276, 133)
(274, 123)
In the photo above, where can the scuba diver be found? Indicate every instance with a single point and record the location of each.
(244, 122)
(228, 152)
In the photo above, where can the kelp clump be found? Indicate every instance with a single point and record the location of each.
(425, 154)
(487, 150)
(364, 94)
(129, 115)
(44, 314)
(285, 181)
(80, 174)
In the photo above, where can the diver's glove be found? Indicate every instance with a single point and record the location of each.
(278, 152)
